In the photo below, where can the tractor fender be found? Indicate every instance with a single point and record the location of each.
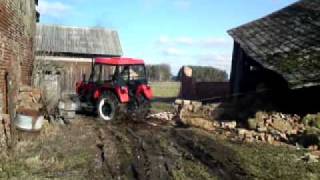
(145, 90)
(122, 94)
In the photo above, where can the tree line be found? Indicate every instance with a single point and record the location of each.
(159, 72)
(206, 74)
(162, 72)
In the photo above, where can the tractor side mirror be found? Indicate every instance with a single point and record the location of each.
(83, 77)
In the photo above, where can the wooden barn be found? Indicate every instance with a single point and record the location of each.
(73, 49)
(280, 53)
(281, 50)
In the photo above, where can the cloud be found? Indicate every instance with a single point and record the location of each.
(214, 42)
(185, 41)
(221, 61)
(163, 40)
(205, 51)
(208, 42)
(54, 9)
(172, 52)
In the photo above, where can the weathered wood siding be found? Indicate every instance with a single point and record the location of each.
(73, 70)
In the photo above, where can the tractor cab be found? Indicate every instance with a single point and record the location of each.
(119, 71)
(114, 82)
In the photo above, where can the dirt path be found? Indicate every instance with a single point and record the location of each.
(142, 152)
(88, 149)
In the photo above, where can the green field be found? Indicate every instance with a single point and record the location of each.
(165, 89)
(165, 93)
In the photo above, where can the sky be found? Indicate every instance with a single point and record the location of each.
(175, 32)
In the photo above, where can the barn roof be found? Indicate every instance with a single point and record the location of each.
(73, 40)
(287, 42)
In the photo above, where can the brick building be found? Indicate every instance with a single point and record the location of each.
(17, 29)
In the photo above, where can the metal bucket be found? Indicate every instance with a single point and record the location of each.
(29, 123)
(67, 105)
(67, 109)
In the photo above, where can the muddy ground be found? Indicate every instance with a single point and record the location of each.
(89, 149)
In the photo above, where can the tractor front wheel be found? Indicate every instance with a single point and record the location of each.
(107, 107)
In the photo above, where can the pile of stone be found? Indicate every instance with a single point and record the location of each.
(29, 99)
(164, 116)
(192, 106)
(273, 128)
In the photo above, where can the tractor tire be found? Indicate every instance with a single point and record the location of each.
(141, 109)
(108, 107)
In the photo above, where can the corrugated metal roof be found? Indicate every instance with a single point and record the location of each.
(287, 42)
(87, 41)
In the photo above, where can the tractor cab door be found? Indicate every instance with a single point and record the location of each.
(121, 75)
(137, 77)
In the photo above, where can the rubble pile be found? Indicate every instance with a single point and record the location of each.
(192, 106)
(273, 128)
(165, 116)
(270, 127)
(29, 99)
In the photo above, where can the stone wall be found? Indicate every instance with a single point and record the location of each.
(17, 30)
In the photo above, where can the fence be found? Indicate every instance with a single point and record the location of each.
(193, 90)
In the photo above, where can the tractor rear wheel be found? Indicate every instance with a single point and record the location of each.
(108, 107)
(140, 108)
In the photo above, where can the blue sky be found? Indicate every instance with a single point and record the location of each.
(176, 32)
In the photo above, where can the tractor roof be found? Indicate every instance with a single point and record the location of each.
(119, 61)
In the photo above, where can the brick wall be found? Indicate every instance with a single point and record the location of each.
(17, 30)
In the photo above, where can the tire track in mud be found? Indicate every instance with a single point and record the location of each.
(125, 154)
(140, 151)
(108, 153)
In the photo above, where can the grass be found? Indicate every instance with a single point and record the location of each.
(248, 161)
(165, 89)
(165, 93)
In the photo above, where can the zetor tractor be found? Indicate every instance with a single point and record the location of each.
(116, 86)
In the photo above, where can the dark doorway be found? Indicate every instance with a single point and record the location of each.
(6, 93)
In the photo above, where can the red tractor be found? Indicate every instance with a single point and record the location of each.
(116, 86)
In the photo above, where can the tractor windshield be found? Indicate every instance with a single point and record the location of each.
(137, 72)
(132, 72)
(123, 73)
